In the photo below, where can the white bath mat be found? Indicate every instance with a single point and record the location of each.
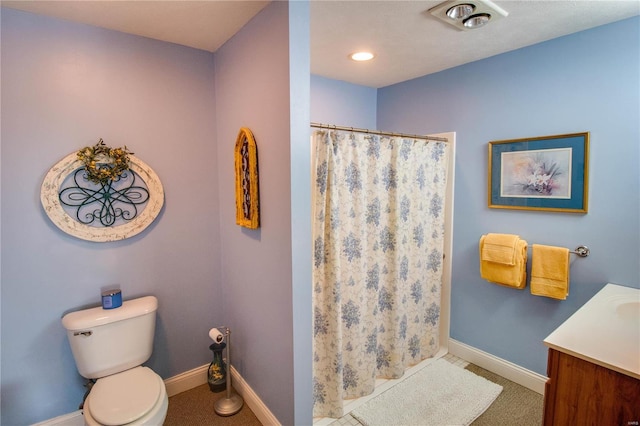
(439, 394)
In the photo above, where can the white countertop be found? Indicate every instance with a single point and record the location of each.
(604, 331)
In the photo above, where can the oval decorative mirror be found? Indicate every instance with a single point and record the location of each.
(102, 199)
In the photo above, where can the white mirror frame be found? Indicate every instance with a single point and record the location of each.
(49, 196)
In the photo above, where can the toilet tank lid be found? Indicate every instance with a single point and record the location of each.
(94, 317)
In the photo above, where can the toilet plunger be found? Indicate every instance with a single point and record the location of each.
(233, 402)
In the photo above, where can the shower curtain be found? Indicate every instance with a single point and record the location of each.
(377, 264)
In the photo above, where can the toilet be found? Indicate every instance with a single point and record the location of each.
(111, 345)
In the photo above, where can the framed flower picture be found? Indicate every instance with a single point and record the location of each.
(548, 173)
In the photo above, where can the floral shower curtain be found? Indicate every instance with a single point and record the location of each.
(378, 248)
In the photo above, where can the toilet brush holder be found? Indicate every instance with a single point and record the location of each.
(232, 402)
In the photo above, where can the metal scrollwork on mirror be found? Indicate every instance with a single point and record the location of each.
(107, 209)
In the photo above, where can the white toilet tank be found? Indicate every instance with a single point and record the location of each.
(108, 341)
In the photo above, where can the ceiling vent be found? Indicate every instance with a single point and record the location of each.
(468, 15)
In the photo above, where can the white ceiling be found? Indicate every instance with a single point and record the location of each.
(407, 40)
(204, 25)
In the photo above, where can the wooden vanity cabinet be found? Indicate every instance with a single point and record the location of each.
(579, 392)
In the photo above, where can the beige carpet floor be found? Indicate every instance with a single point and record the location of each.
(515, 406)
(195, 408)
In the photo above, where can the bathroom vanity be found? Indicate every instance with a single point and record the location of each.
(594, 362)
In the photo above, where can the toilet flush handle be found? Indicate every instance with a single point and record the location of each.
(83, 333)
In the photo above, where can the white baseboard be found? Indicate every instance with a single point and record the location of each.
(258, 407)
(71, 419)
(187, 380)
(504, 368)
(183, 382)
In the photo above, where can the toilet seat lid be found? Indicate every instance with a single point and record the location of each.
(124, 397)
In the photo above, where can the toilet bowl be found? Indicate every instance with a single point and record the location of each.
(133, 397)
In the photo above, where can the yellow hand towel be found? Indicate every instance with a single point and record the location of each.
(550, 271)
(508, 275)
(500, 248)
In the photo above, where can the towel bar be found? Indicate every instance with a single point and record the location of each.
(582, 251)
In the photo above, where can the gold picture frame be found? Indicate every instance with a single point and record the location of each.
(247, 187)
(548, 173)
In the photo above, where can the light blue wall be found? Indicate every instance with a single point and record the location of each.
(253, 90)
(582, 82)
(62, 83)
(64, 86)
(343, 104)
(300, 163)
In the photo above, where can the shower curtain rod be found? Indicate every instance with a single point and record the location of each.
(377, 132)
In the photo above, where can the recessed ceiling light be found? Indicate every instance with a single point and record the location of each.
(477, 21)
(460, 11)
(468, 14)
(362, 56)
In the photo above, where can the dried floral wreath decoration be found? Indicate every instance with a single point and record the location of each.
(104, 164)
